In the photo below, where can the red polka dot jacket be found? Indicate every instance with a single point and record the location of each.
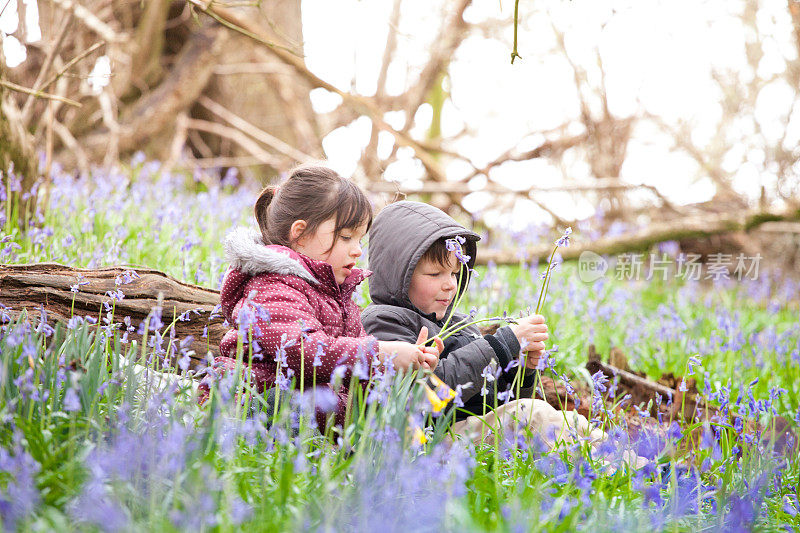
(300, 317)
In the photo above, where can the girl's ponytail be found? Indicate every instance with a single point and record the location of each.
(261, 211)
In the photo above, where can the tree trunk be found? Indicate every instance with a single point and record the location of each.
(150, 120)
(253, 83)
(16, 149)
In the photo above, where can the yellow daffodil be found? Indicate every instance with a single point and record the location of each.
(442, 388)
(419, 436)
(437, 404)
(440, 397)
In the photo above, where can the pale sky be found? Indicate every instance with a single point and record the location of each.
(658, 56)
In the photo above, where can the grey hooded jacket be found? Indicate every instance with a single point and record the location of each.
(399, 236)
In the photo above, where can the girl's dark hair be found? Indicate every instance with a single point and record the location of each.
(314, 194)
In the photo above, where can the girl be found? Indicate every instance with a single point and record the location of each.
(289, 289)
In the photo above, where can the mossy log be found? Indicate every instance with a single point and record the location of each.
(646, 237)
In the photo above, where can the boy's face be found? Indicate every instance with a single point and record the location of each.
(433, 286)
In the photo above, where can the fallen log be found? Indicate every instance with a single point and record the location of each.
(644, 238)
(686, 406)
(676, 403)
(49, 286)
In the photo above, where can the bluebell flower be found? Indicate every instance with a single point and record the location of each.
(20, 497)
(319, 353)
(790, 506)
(693, 361)
(457, 399)
(455, 245)
(71, 400)
(280, 351)
(43, 327)
(506, 395)
(490, 373)
(599, 380)
(564, 239)
(115, 295)
(77, 286)
(674, 431)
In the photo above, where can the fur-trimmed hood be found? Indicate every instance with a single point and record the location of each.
(245, 250)
(249, 258)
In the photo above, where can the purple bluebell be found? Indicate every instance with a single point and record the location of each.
(455, 245)
(72, 401)
(20, 497)
(564, 239)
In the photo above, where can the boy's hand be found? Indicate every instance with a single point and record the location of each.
(531, 333)
(430, 354)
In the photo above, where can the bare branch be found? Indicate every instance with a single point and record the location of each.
(109, 109)
(153, 112)
(369, 158)
(178, 141)
(460, 187)
(360, 104)
(91, 21)
(72, 144)
(254, 132)
(714, 172)
(38, 94)
(235, 135)
(148, 40)
(55, 77)
(27, 108)
(453, 31)
(547, 148)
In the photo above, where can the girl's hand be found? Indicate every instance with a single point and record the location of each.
(531, 333)
(411, 356)
(407, 356)
(430, 354)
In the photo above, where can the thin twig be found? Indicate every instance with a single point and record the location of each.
(108, 107)
(91, 21)
(199, 144)
(369, 158)
(27, 108)
(70, 142)
(514, 53)
(238, 137)
(38, 94)
(48, 158)
(253, 131)
(70, 64)
(4, 7)
(178, 141)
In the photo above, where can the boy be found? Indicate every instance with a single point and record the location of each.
(414, 284)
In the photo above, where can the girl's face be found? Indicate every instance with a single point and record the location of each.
(341, 255)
